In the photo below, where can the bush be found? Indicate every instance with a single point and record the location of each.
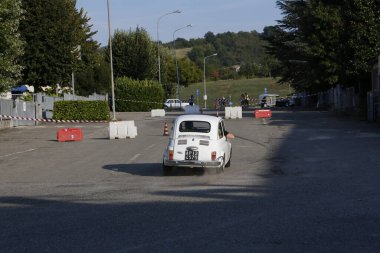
(81, 110)
(138, 96)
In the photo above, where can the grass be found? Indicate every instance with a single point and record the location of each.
(234, 88)
(182, 52)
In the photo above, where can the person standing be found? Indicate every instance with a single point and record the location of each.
(191, 100)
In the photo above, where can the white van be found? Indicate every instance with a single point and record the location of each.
(268, 100)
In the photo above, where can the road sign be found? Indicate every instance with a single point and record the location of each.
(197, 92)
(265, 91)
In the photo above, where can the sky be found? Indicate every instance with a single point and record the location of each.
(217, 16)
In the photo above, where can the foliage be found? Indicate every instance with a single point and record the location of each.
(322, 43)
(234, 88)
(11, 46)
(94, 79)
(59, 41)
(81, 110)
(134, 54)
(232, 48)
(187, 70)
(137, 95)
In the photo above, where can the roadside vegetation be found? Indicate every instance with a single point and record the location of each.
(234, 88)
(316, 46)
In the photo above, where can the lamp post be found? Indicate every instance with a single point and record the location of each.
(158, 43)
(204, 77)
(175, 58)
(111, 63)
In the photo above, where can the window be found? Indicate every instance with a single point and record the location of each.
(220, 130)
(195, 126)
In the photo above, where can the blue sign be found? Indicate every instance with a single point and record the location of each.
(265, 91)
(197, 92)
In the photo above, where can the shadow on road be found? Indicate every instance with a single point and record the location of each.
(154, 170)
(138, 169)
(317, 192)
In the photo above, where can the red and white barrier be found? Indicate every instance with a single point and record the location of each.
(51, 120)
(263, 114)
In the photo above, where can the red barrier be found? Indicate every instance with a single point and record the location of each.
(69, 134)
(263, 114)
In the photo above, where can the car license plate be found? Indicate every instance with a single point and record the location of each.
(191, 155)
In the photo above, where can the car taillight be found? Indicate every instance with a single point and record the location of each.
(213, 155)
(171, 153)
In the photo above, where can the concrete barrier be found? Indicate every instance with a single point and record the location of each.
(227, 112)
(233, 112)
(157, 113)
(122, 129)
(5, 123)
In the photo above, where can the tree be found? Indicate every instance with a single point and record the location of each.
(94, 79)
(321, 43)
(58, 41)
(11, 46)
(134, 54)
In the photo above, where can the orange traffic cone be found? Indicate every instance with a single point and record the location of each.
(166, 130)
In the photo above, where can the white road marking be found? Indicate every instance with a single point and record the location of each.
(134, 157)
(151, 146)
(20, 152)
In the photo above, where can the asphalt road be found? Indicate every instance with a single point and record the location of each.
(302, 182)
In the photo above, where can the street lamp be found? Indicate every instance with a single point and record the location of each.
(175, 56)
(158, 43)
(111, 63)
(204, 77)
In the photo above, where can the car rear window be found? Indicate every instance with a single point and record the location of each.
(195, 126)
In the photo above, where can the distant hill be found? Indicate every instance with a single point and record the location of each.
(232, 48)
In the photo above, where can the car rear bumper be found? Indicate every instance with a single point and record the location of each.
(193, 164)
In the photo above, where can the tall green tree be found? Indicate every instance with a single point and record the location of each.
(321, 43)
(58, 41)
(134, 54)
(11, 46)
(94, 78)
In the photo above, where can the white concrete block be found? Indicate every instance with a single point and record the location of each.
(132, 132)
(233, 113)
(122, 129)
(112, 130)
(157, 113)
(239, 112)
(227, 112)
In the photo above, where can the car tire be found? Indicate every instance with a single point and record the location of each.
(228, 164)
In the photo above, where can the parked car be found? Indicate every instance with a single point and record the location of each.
(174, 103)
(282, 102)
(268, 100)
(197, 141)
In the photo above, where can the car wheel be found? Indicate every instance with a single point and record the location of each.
(166, 170)
(228, 164)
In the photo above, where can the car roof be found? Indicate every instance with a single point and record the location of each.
(197, 117)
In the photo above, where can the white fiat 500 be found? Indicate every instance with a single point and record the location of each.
(197, 141)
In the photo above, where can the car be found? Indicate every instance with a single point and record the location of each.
(173, 103)
(282, 102)
(268, 100)
(197, 141)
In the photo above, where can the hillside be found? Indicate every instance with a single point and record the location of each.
(234, 88)
(245, 49)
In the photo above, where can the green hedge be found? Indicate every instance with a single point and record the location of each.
(81, 110)
(138, 96)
